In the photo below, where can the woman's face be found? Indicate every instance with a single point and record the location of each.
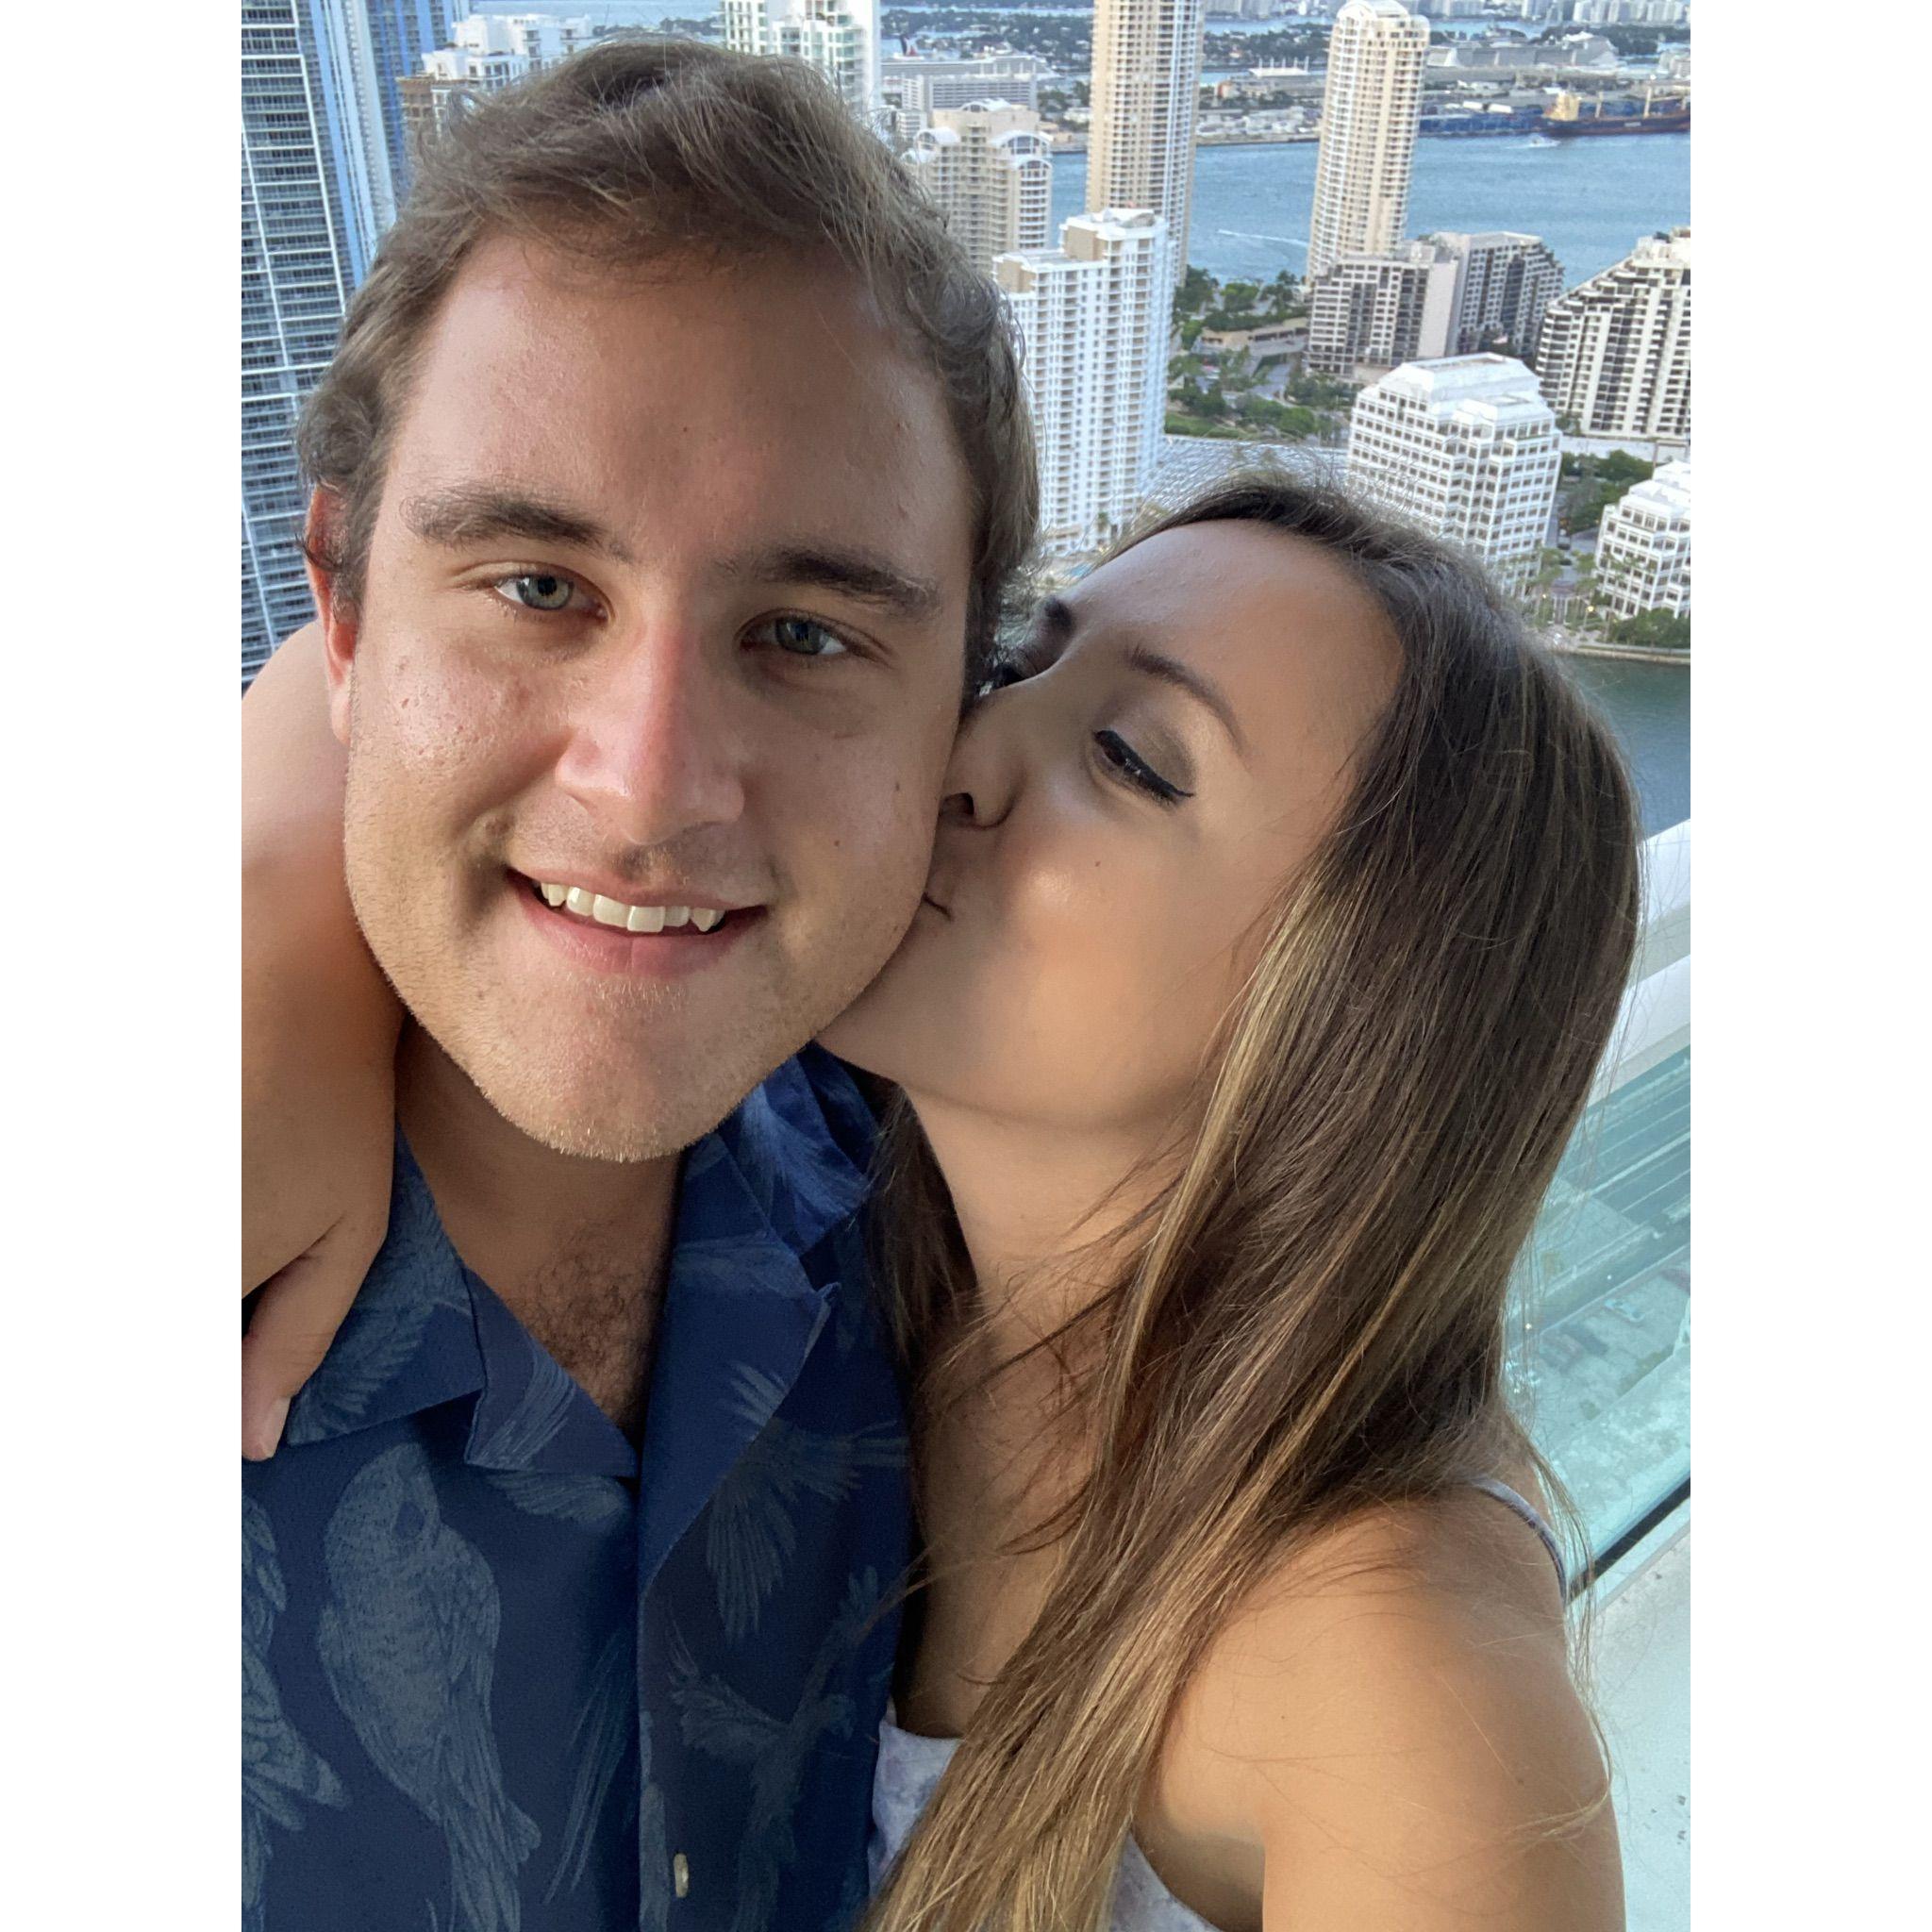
(1117, 821)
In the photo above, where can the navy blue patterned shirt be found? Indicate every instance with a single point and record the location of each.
(500, 1670)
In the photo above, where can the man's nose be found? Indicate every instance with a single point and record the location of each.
(651, 752)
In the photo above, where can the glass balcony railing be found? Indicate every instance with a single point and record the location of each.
(1600, 1316)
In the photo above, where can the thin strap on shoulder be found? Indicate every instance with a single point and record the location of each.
(1496, 1487)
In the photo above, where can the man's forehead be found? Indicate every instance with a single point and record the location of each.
(734, 394)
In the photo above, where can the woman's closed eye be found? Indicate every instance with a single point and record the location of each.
(1132, 769)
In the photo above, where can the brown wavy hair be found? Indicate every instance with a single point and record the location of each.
(646, 149)
(1309, 1320)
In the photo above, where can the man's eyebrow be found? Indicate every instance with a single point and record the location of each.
(861, 574)
(469, 512)
(1184, 678)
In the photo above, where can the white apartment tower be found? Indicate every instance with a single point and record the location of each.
(1468, 448)
(1147, 87)
(1370, 110)
(841, 38)
(1643, 547)
(1615, 354)
(1092, 315)
(989, 169)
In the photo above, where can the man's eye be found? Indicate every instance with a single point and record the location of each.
(800, 637)
(535, 591)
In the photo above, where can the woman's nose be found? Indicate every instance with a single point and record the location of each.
(984, 774)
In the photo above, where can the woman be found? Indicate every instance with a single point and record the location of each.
(1279, 914)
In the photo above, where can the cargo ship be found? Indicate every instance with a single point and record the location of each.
(1566, 120)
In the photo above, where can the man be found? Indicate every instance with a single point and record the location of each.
(669, 474)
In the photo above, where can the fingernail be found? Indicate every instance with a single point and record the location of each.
(262, 1433)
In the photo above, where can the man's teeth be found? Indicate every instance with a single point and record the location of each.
(630, 917)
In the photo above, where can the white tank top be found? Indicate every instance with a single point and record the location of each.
(910, 1769)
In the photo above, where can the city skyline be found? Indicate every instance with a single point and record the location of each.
(988, 161)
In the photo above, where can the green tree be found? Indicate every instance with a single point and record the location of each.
(1198, 289)
(1655, 630)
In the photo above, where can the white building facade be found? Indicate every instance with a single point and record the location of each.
(1370, 110)
(1468, 448)
(841, 38)
(918, 85)
(1145, 90)
(989, 169)
(1092, 315)
(539, 37)
(1643, 548)
(1615, 352)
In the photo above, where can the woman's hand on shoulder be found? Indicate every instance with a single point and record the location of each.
(1393, 1727)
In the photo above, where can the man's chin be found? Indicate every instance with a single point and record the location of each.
(640, 1124)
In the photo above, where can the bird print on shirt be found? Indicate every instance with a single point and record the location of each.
(751, 1531)
(279, 1772)
(773, 1751)
(408, 1641)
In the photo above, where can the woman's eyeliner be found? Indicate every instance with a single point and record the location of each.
(1136, 770)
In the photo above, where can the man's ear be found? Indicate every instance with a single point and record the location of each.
(337, 613)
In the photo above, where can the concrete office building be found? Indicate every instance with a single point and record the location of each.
(1468, 448)
(915, 84)
(1643, 548)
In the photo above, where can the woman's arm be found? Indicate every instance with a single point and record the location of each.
(319, 1026)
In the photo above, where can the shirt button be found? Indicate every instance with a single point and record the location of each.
(680, 1874)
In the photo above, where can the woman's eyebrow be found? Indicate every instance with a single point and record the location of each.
(1171, 671)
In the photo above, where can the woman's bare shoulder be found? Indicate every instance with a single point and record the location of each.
(1390, 1724)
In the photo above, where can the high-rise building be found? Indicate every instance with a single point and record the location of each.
(841, 38)
(400, 33)
(1092, 315)
(1445, 294)
(1469, 449)
(1369, 312)
(1371, 106)
(1145, 90)
(1615, 353)
(316, 194)
(988, 166)
(1505, 284)
(542, 39)
(1643, 547)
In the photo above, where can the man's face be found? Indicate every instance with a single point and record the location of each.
(665, 607)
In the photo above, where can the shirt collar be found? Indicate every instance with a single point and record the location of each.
(754, 1197)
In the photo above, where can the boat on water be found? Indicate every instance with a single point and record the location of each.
(1566, 120)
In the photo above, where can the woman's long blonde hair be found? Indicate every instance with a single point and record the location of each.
(1312, 1320)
